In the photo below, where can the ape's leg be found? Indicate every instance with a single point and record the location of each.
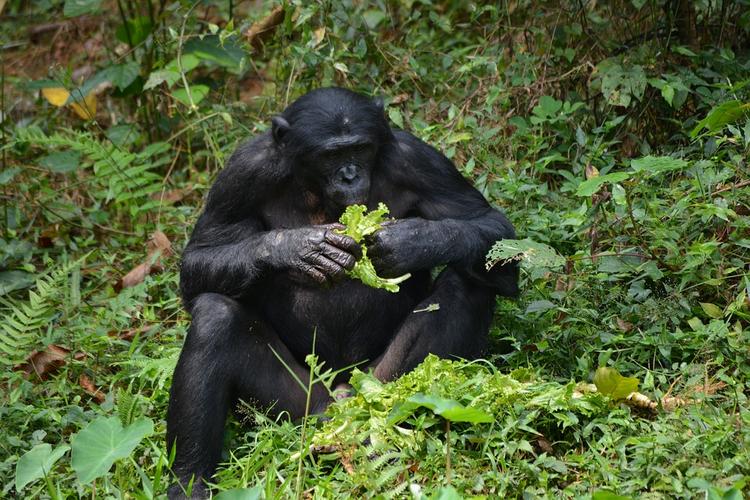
(458, 328)
(226, 356)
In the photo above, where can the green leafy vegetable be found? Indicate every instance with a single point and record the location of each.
(609, 382)
(358, 225)
(529, 253)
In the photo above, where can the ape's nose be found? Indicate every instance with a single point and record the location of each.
(348, 174)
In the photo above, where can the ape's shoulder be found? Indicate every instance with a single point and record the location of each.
(251, 173)
(418, 153)
(421, 161)
(256, 158)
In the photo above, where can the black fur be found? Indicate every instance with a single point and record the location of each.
(263, 270)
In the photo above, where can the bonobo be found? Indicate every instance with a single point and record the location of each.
(265, 269)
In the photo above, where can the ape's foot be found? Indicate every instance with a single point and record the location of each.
(199, 491)
(343, 391)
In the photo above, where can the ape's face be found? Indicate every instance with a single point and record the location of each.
(340, 174)
(331, 139)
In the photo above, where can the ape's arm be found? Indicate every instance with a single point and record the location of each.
(455, 224)
(231, 250)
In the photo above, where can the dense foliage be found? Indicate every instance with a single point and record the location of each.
(615, 135)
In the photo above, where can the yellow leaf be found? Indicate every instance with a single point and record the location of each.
(57, 96)
(318, 36)
(591, 171)
(86, 109)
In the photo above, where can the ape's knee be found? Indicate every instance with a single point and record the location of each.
(215, 318)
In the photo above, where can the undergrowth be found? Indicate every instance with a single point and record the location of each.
(615, 135)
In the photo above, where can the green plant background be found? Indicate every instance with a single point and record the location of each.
(615, 135)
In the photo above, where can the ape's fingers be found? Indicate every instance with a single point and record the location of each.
(316, 275)
(327, 266)
(344, 242)
(342, 258)
(375, 245)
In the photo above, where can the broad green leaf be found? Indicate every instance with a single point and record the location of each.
(539, 306)
(681, 49)
(137, 30)
(695, 323)
(620, 84)
(447, 493)
(73, 8)
(591, 186)
(373, 17)
(37, 463)
(657, 164)
(667, 92)
(122, 75)
(104, 441)
(171, 72)
(158, 77)
(197, 93)
(227, 54)
(712, 310)
(123, 134)
(14, 280)
(7, 175)
(119, 75)
(254, 493)
(609, 382)
(460, 137)
(61, 162)
(449, 409)
(395, 115)
(529, 253)
(720, 116)
(547, 107)
(607, 495)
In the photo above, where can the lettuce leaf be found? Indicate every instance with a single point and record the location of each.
(358, 225)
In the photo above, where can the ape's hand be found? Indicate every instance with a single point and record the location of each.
(408, 245)
(318, 253)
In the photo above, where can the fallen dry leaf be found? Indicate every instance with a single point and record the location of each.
(545, 446)
(623, 325)
(88, 385)
(170, 197)
(57, 96)
(260, 31)
(136, 275)
(158, 247)
(160, 242)
(86, 108)
(44, 363)
(130, 333)
(400, 98)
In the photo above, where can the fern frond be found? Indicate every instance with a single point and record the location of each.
(127, 403)
(155, 370)
(120, 175)
(25, 321)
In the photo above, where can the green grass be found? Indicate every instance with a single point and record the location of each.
(622, 162)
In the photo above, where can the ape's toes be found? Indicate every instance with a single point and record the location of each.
(343, 391)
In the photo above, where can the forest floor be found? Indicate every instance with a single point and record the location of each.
(614, 135)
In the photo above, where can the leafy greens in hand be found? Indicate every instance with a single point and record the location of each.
(358, 225)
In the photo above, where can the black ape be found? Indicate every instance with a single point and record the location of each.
(264, 268)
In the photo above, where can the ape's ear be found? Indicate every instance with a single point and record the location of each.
(279, 128)
(379, 102)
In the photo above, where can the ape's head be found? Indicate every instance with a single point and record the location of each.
(333, 137)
